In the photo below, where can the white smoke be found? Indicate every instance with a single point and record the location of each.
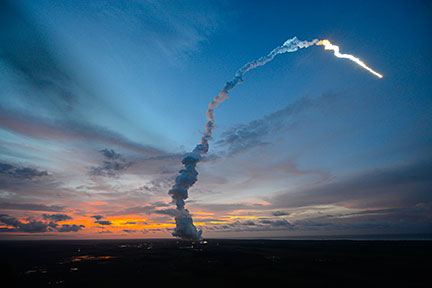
(185, 228)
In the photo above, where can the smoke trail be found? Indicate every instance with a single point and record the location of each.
(185, 228)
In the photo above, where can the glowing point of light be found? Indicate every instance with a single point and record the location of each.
(329, 46)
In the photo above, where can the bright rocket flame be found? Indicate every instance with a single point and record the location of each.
(328, 46)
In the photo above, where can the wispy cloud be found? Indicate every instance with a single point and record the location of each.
(150, 208)
(26, 51)
(243, 137)
(280, 213)
(21, 172)
(173, 28)
(253, 226)
(112, 166)
(31, 207)
(403, 186)
(68, 131)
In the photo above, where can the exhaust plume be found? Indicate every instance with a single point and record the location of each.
(185, 229)
(329, 46)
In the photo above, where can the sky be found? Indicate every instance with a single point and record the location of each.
(100, 101)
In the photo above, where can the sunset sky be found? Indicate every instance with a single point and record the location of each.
(100, 100)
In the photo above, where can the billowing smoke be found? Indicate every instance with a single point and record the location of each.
(185, 228)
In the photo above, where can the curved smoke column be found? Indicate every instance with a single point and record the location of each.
(185, 228)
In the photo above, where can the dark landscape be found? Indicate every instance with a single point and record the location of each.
(133, 263)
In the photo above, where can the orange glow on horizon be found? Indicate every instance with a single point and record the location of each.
(97, 203)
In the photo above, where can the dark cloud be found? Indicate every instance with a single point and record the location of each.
(245, 136)
(110, 154)
(21, 172)
(11, 221)
(160, 184)
(103, 222)
(416, 219)
(253, 226)
(33, 185)
(403, 186)
(129, 230)
(112, 166)
(33, 226)
(56, 217)
(276, 223)
(99, 221)
(154, 230)
(5, 168)
(280, 213)
(170, 212)
(97, 217)
(26, 183)
(30, 207)
(70, 228)
(28, 173)
(109, 168)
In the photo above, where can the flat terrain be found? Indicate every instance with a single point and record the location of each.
(141, 263)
